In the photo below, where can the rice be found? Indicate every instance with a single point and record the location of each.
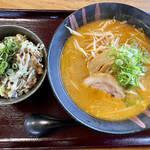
(28, 60)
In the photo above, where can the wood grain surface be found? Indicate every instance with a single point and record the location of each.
(70, 5)
(66, 4)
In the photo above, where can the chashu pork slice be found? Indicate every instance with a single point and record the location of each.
(106, 83)
(97, 63)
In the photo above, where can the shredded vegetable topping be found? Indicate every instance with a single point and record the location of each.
(6, 56)
(128, 64)
(20, 65)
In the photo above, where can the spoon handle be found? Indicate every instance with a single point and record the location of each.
(41, 124)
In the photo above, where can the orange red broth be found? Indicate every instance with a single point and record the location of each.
(97, 103)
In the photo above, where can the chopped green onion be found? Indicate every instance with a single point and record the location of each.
(3, 66)
(2, 89)
(14, 66)
(128, 63)
(10, 71)
(24, 76)
(119, 62)
(139, 94)
(7, 57)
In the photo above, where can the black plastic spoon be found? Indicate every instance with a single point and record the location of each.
(41, 124)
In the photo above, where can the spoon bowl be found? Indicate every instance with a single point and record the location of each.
(42, 124)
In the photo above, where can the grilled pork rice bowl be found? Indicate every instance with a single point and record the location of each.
(22, 63)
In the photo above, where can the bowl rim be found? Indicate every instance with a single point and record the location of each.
(57, 94)
(42, 76)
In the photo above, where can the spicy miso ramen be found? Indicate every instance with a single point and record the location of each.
(105, 68)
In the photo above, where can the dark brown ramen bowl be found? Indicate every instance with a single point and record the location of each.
(102, 11)
(11, 30)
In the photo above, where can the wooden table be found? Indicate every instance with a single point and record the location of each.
(66, 4)
(69, 5)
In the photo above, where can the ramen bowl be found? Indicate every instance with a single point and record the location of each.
(79, 18)
(12, 30)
